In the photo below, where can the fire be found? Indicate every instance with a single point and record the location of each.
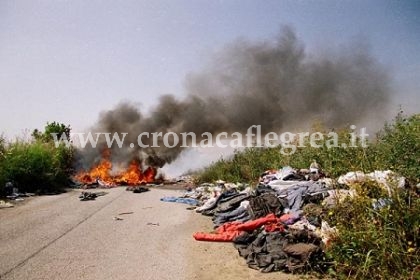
(132, 176)
(135, 176)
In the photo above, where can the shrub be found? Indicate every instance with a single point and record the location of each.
(38, 165)
(377, 243)
(396, 147)
(372, 243)
(2, 154)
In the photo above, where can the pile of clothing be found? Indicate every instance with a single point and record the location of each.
(267, 224)
(278, 225)
(85, 196)
(137, 189)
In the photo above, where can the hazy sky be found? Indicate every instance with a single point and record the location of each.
(67, 60)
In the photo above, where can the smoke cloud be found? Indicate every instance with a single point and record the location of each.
(275, 84)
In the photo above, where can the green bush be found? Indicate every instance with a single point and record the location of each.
(396, 147)
(244, 166)
(37, 165)
(2, 154)
(372, 244)
(377, 243)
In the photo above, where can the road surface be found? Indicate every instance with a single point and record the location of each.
(60, 237)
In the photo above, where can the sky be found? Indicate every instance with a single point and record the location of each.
(68, 60)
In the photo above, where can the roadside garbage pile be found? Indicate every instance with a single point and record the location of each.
(268, 225)
(12, 193)
(4, 204)
(137, 189)
(278, 225)
(85, 196)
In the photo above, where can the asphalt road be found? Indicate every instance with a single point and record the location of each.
(60, 237)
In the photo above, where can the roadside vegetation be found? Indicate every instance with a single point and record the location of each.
(372, 243)
(36, 165)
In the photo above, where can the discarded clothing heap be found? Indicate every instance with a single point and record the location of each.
(228, 231)
(266, 224)
(261, 205)
(278, 226)
(239, 214)
(84, 196)
(303, 192)
(268, 239)
(290, 251)
(190, 201)
(386, 179)
(232, 205)
(13, 193)
(271, 177)
(137, 189)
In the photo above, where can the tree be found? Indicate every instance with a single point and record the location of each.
(52, 128)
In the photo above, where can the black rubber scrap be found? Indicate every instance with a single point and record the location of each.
(84, 196)
(137, 189)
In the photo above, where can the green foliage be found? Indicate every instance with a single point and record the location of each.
(372, 244)
(244, 166)
(2, 154)
(377, 244)
(397, 147)
(56, 128)
(37, 166)
(333, 160)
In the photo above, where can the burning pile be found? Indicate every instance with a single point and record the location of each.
(103, 174)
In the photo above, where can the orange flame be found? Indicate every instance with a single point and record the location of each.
(135, 176)
(132, 176)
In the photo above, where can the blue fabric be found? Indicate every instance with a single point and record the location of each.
(190, 201)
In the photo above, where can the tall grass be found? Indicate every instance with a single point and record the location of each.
(377, 243)
(372, 244)
(396, 147)
(35, 166)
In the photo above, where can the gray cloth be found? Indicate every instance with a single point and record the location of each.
(264, 204)
(209, 204)
(231, 203)
(296, 194)
(223, 203)
(278, 251)
(236, 214)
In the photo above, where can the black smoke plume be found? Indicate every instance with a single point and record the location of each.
(274, 84)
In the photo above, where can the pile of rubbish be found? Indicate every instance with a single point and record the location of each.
(12, 193)
(4, 204)
(137, 189)
(85, 196)
(187, 179)
(99, 184)
(278, 225)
